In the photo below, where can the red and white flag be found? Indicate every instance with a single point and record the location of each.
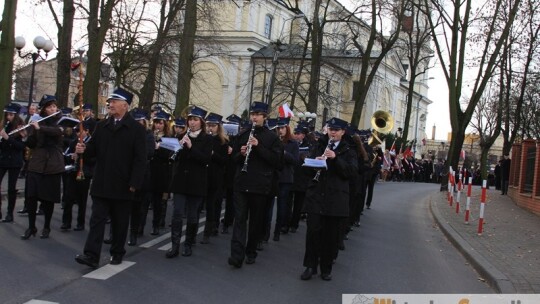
(462, 154)
(285, 111)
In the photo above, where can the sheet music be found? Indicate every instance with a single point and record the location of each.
(170, 143)
(231, 129)
(315, 163)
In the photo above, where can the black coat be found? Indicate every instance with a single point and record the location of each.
(150, 145)
(290, 160)
(46, 143)
(216, 169)
(161, 170)
(263, 163)
(302, 175)
(330, 196)
(190, 168)
(505, 169)
(121, 157)
(88, 163)
(11, 150)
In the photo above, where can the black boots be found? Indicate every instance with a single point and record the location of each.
(209, 228)
(133, 237)
(176, 234)
(29, 232)
(45, 233)
(191, 234)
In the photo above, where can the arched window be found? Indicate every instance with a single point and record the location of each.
(268, 26)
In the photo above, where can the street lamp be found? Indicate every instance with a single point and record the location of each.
(41, 44)
(416, 126)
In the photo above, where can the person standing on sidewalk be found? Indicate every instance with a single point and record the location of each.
(119, 146)
(11, 155)
(505, 174)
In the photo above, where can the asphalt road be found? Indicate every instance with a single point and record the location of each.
(397, 249)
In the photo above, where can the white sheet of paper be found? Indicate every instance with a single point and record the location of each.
(315, 163)
(169, 143)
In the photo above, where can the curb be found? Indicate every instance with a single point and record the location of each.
(494, 277)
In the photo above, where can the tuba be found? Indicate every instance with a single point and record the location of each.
(381, 122)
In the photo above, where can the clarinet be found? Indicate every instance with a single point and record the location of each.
(248, 150)
(173, 157)
(318, 174)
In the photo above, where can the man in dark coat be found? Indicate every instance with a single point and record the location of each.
(327, 200)
(119, 146)
(258, 153)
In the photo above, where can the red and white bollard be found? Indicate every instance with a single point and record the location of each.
(468, 204)
(458, 198)
(451, 182)
(482, 207)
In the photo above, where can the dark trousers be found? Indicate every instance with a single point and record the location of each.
(13, 174)
(322, 240)
(267, 218)
(188, 205)
(102, 208)
(282, 212)
(504, 188)
(213, 210)
(359, 200)
(229, 207)
(136, 211)
(252, 205)
(154, 198)
(76, 194)
(370, 183)
(297, 205)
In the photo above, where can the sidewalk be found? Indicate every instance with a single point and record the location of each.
(507, 255)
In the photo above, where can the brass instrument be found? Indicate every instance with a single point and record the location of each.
(330, 145)
(248, 150)
(381, 122)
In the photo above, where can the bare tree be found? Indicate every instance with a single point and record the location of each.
(450, 25)
(186, 57)
(99, 21)
(376, 11)
(63, 58)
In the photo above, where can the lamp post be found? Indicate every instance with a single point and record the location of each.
(41, 44)
(416, 125)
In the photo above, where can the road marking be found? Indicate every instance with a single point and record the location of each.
(108, 271)
(33, 301)
(157, 240)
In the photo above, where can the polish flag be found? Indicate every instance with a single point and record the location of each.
(285, 111)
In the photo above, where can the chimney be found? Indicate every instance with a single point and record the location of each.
(433, 132)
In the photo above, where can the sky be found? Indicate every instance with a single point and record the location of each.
(35, 20)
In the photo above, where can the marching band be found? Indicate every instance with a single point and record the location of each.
(135, 162)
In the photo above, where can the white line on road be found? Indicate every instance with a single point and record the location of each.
(182, 239)
(108, 271)
(40, 302)
(157, 240)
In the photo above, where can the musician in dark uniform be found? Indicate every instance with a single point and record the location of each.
(136, 227)
(88, 114)
(11, 155)
(302, 175)
(179, 126)
(119, 146)
(160, 170)
(189, 183)
(216, 171)
(77, 188)
(45, 167)
(258, 154)
(230, 171)
(327, 200)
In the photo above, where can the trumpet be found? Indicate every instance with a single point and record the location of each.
(182, 141)
(248, 150)
(330, 145)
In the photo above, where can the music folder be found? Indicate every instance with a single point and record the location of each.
(170, 143)
(315, 163)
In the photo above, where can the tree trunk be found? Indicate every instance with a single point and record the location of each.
(316, 53)
(302, 61)
(7, 45)
(186, 57)
(99, 22)
(63, 73)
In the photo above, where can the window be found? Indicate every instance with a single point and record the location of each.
(268, 26)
